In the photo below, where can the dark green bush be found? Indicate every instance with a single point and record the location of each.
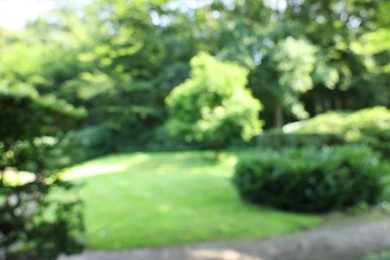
(279, 140)
(34, 147)
(159, 139)
(100, 140)
(95, 140)
(367, 126)
(311, 180)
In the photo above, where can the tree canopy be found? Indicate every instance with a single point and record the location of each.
(120, 59)
(213, 105)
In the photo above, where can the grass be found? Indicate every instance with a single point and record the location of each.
(155, 199)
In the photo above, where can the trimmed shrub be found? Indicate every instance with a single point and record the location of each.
(311, 180)
(369, 126)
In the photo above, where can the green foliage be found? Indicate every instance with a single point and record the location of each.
(369, 126)
(95, 141)
(378, 41)
(311, 180)
(121, 67)
(99, 140)
(302, 59)
(213, 105)
(170, 193)
(159, 139)
(295, 60)
(343, 77)
(327, 123)
(280, 140)
(292, 68)
(22, 106)
(32, 223)
(32, 149)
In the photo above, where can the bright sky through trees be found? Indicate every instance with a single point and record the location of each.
(15, 13)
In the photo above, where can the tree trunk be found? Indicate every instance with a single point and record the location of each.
(278, 117)
(218, 148)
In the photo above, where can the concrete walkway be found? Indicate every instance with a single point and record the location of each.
(348, 239)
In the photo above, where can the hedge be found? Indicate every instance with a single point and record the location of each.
(310, 179)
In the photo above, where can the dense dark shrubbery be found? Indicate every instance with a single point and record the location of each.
(158, 139)
(94, 141)
(368, 126)
(100, 140)
(311, 180)
(36, 223)
(279, 140)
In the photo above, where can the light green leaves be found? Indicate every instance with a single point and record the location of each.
(295, 60)
(213, 105)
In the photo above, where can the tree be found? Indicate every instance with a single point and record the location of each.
(213, 106)
(376, 46)
(130, 64)
(340, 77)
(120, 59)
(38, 218)
(335, 27)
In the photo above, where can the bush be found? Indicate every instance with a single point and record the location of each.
(311, 180)
(99, 140)
(368, 126)
(158, 139)
(95, 141)
(279, 140)
(34, 224)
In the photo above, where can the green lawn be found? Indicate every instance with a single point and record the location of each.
(155, 199)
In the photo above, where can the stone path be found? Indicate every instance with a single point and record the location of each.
(348, 239)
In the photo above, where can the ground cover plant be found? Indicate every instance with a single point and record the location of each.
(156, 199)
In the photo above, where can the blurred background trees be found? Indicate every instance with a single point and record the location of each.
(122, 61)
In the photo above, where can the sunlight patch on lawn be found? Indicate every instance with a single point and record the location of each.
(106, 166)
(93, 170)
